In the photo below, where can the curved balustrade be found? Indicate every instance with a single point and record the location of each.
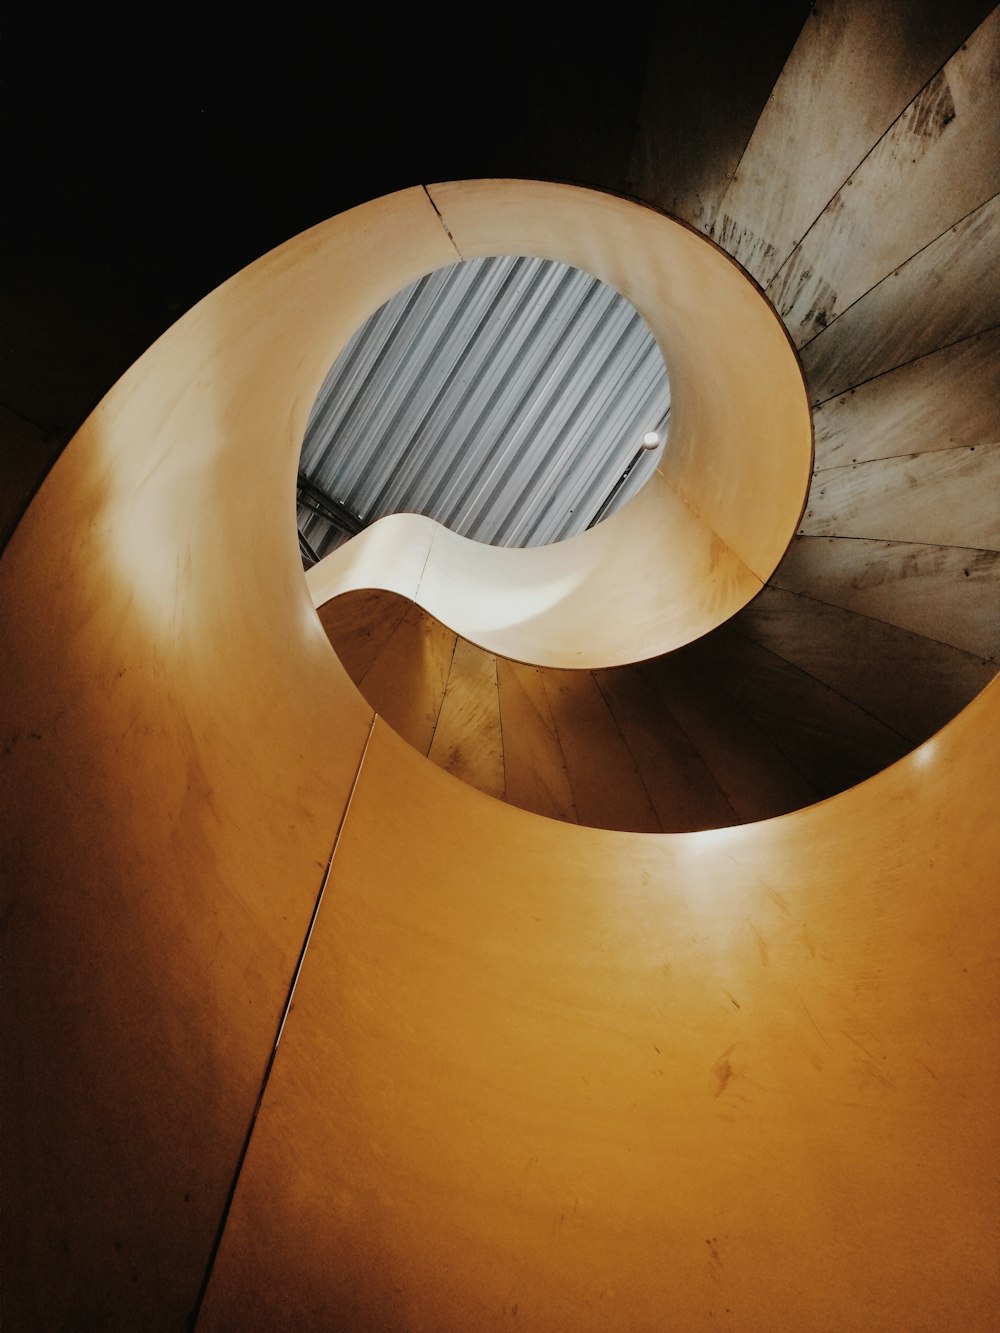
(529, 1074)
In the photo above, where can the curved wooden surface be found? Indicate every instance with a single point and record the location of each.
(533, 1075)
(721, 732)
(704, 534)
(548, 1077)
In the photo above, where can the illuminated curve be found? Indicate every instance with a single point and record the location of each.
(529, 1074)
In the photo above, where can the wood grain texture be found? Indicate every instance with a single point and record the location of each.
(681, 787)
(360, 624)
(583, 1080)
(608, 791)
(534, 767)
(938, 162)
(955, 285)
(406, 682)
(947, 593)
(830, 741)
(701, 99)
(912, 684)
(947, 398)
(534, 1074)
(467, 739)
(803, 147)
(757, 779)
(946, 498)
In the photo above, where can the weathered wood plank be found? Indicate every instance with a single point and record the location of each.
(755, 776)
(360, 624)
(831, 741)
(706, 83)
(911, 683)
(607, 789)
(938, 162)
(682, 788)
(948, 593)
(872, 59)
(948, 398)
(407, 680)
(955, 285)
(946, 498)
(467, 741)
(534, 766)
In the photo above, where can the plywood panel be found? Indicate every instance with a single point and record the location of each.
(179, 745)
(865, 59)
(607, 789)
(757, 779)
(359, 624)
(945, 592)
(534, 767)
(467, 739)
(473, 1118)
(535, 605)
(390, 554)
(831, 741)
(912, 684)
(406, 683)
(954, 284)
(566, 1079)
(938, 162)
(948, 398)
(948, 498)
(736, 428)
(706, 82)
(681, 787)
(711, 524)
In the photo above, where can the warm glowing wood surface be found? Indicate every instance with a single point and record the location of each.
(576, 1079)
(700, 539)
(724, 731)
(568, 1077)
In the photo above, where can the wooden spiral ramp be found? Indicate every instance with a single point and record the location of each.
(301, 1032)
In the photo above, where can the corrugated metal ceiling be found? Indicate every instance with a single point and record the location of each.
(505, 397)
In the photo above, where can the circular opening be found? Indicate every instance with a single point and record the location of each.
(515, 400)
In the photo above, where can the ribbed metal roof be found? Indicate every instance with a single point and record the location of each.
(505, 397)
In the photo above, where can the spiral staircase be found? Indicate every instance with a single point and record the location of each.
(301, 1031)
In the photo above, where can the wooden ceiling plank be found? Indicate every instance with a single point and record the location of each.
(955, 284)
(608, 791)
(946, 593)
(803, 148)
(467, 738)
(534, 765)
(939, 161)
(949, 398)
(682, 788)
(910, 683)
(757, 779)
(406, 682)
(947, 497)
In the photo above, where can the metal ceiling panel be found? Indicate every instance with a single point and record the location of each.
(505, 397)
